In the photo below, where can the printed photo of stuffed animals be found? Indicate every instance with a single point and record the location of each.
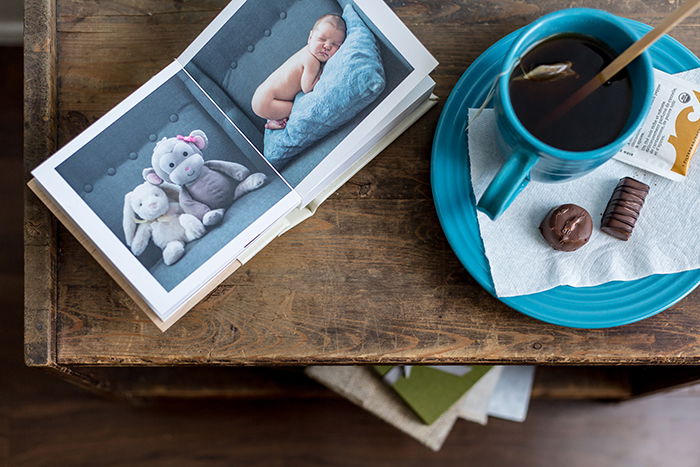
(298, 76)
(182, 195)
(189, 181)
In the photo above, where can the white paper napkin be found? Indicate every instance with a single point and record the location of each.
(666, 237)
(511, 397)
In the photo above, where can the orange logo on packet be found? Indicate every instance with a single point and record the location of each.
(685, 141)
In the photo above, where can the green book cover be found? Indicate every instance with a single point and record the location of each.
(430, 391)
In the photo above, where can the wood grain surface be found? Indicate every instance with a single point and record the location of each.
(40, 133)
(370, 278)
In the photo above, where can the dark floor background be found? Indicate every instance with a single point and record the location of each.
(45, 421)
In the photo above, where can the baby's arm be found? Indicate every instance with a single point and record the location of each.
(311, 73)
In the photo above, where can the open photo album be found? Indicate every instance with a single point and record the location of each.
(268, 111)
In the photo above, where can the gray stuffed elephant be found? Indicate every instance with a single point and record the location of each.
(207, 188)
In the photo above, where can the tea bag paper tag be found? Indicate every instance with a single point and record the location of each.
(666, 238)
(665, 142)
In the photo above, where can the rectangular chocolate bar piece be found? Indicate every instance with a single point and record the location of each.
(623, 209)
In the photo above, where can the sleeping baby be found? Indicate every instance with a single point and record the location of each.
(274, 97)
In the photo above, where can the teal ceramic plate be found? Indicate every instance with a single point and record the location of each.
(602, 306)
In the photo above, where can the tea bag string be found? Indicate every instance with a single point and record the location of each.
(489, 96)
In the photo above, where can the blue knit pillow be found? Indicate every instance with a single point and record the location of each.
(351, 80)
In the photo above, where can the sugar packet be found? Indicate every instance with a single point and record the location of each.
(669, 136)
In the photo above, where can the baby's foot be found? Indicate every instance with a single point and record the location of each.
(276, 124)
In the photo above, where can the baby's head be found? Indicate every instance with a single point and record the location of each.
(326, 37)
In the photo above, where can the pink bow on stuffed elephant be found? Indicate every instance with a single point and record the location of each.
(197, 140)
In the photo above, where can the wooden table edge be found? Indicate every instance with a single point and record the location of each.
(40, 136)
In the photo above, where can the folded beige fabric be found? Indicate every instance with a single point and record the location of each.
(474, 405)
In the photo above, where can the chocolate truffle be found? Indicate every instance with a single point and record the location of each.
(567, 228)
(623, 209)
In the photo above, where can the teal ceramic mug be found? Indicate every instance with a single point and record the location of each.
(528, 158)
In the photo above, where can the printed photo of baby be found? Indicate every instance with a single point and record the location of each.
(274, 98)
(297, 77)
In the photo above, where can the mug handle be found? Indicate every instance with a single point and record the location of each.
(507, 184)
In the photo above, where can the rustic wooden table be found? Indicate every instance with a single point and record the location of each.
(370, 278)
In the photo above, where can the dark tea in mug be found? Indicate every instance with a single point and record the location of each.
(552, 71)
